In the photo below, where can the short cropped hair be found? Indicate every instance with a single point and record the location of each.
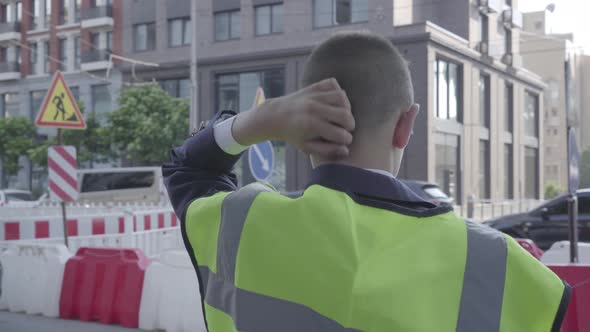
(370, 69)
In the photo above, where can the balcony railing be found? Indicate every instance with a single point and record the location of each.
(96, 56)
(9, 27)
(97, 12)
(9, 67)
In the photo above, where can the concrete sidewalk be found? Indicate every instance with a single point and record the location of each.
(11, 322)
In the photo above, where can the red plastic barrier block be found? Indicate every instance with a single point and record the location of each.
(577, 318)
(103, 284)
(12, 231)
(97, 226)
(147, 222)
(531, 247)
(41, 229)
(72, 227)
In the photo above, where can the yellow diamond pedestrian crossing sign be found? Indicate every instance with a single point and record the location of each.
(60, 110)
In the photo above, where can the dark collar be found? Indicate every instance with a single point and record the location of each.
(360, 182)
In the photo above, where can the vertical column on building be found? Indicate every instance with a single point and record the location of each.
(53, 43)
(26, 23)
(70, 49)
(85, 33)
(71, 14)
(117, 29)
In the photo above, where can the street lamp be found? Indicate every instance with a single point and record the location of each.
(550, 7)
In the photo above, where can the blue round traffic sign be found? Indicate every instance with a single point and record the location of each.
(261, 159)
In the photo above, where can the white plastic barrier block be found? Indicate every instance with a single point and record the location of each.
(170, 298)
(32, 278)
(559, 253)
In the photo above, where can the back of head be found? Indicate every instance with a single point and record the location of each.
(371, 71)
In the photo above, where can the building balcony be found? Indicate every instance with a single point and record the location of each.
(9, 71)
(96, 60)
(9, 31)
(490, 6)
(97, 17)
(512, 18)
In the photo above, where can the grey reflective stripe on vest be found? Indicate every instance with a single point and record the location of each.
(234, 210)
(483, 281)
(256, 312)
(251, 311)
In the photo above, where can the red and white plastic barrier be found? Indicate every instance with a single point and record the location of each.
(28, 228)
(170, 299)
(32, 277)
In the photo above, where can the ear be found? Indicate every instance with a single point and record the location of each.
(404, 127)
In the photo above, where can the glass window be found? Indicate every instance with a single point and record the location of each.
(77, 7)
(447, 86)
(484, 100)
(184, 88)
(227, 25)
(47, 13)
(144, 36)
(94, 40)
(484, 169)
(33, 57)
(179, 32)
(47, 68)
(531, 113)
(63, 11)
(484, 27)
(447, 165)
(336, 12)
(116, 181)
(179, 88)
(101, 100)
(77, 57)
(507, 41)
(269, 19)
(19, 11)
(63, 53)
(12, 105)
(237, 92)
(75, 92)
(36, 10)
(508, 108)
(109, 40)
(531, 174)
(36, 99)
(508, 172)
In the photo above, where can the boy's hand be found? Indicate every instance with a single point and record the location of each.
(316, 120)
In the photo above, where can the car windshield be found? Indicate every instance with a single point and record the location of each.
(19, 197)
(435, 192)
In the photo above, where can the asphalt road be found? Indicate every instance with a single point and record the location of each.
(11, 322)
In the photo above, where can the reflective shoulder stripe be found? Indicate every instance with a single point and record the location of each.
(483, 281)
(257, 312)
(234, 211)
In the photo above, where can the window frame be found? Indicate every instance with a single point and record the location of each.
(184, 41)
(485, 170)
(487, 95)
(459, 88)
(334, 15)
(272, 8)
(148, 46)
(535, 96)
(509, 107)
(63, 53)
(229, 14)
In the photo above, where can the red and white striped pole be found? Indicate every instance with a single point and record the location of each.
(63, 178)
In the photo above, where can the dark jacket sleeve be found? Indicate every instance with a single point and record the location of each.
(199, 168)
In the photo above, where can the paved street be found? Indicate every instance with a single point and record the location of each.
(11, 322)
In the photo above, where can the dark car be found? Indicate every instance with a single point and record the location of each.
(548, 223)
(429, 191)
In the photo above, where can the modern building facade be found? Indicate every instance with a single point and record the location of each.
(478, 132)
(549, 55)
(39, 37)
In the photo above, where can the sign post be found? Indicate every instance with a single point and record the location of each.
(573, 184)
(60, 110)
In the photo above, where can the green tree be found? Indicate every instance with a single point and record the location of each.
(147, 124)
(16, 138)
(92, 144)
(551, 191)
(585, 169)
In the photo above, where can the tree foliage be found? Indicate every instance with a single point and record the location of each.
(147, 124)
(16, 138)
(92, 144)
(552, 191)
(585, 169)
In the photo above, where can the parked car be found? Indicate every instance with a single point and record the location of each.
(15, 196)
(130, 184)
(548, 223)
(429, 191)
